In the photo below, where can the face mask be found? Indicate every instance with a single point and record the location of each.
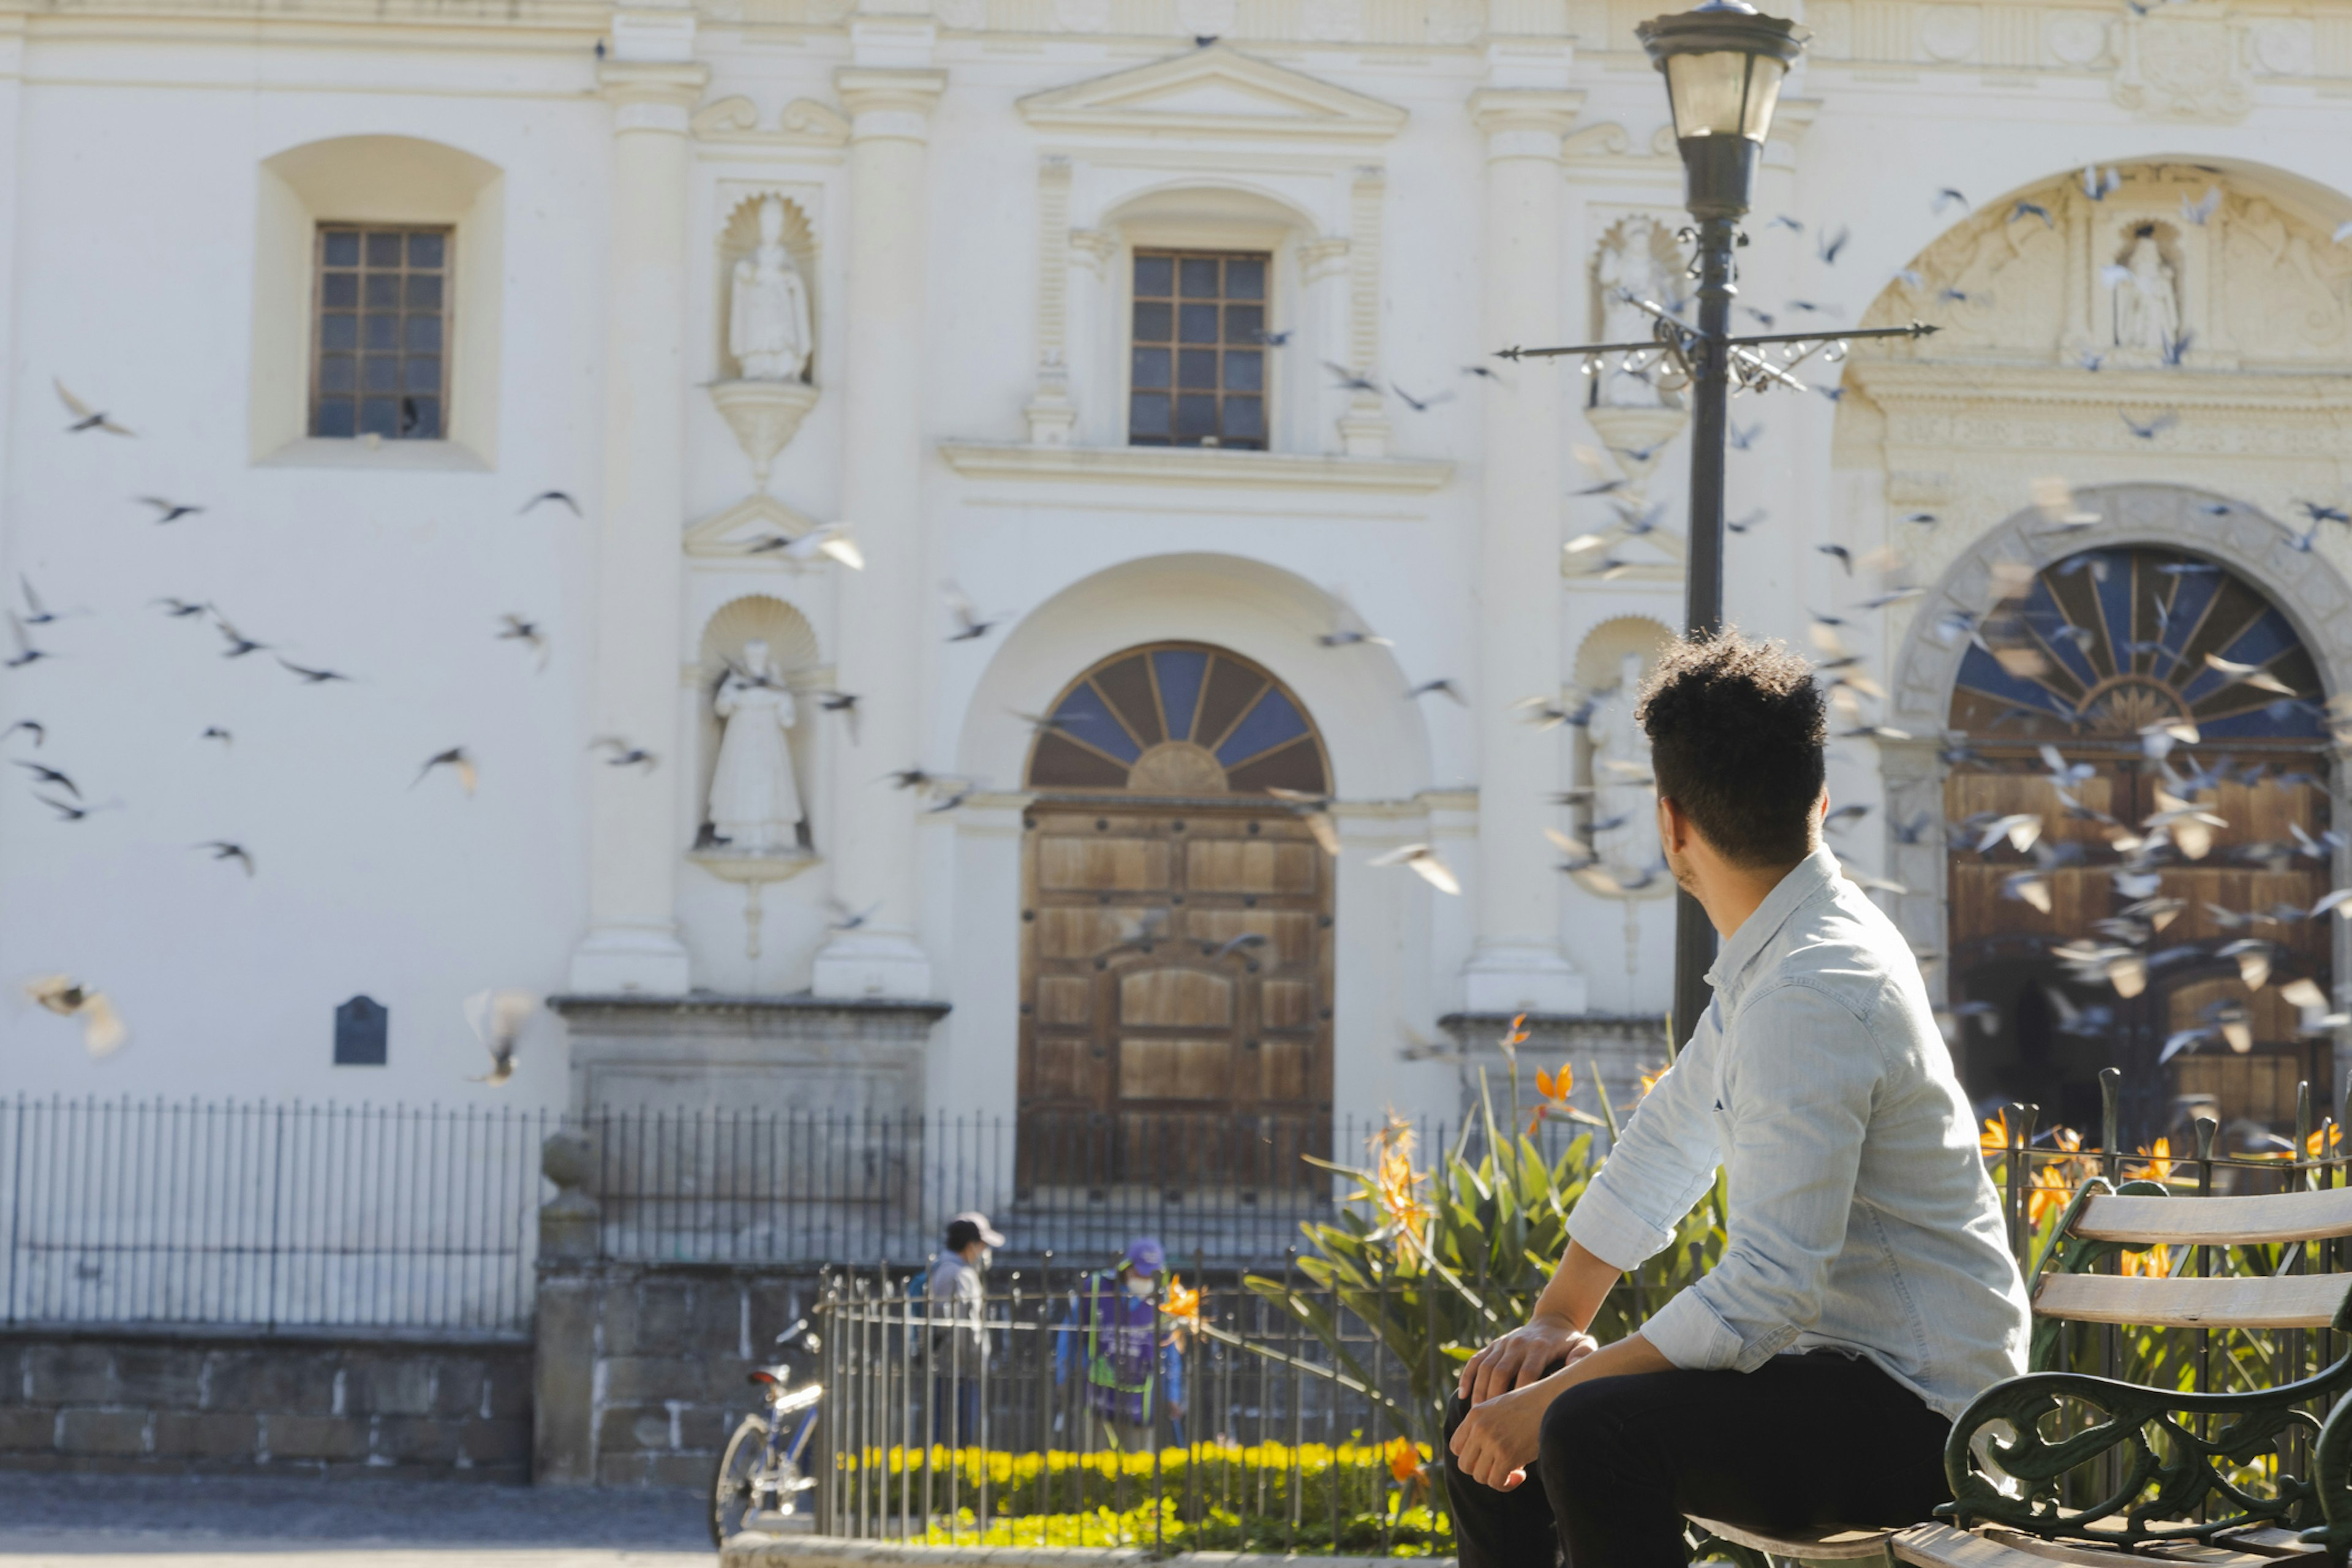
(1138, 1284)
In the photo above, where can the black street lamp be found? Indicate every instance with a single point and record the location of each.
(1724, 64)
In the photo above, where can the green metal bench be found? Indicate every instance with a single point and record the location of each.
(2168, 1465)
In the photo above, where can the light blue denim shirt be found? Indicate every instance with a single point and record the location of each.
(1862, 1217)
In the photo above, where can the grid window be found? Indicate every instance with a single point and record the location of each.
(380, 359)
(1198, 372)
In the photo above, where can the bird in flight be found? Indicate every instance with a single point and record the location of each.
(85, 418)
(37, 613)
(26, 652)
(49, 775)
(181, 609)
(456, 759)
(970, 624)
(40, 731)
(527, 633)
(2200, 210)
(170, 511)
(1348, 628)
(497, 1019)
(1420, 404)
(624, 755)
(223, 849)
(830, 539)
(1832, 244)
(1315, 811)
(102, 1030)
(2154, 427)
(239, 645)
(1949, 196)
(214, 732)
(1440, 689)
(846, 919)
(915, 777)
(1347, 380)
(1424, 863)
(558, 497)
(2032, 210)
(312, 676)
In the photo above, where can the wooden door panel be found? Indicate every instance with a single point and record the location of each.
(1154, 1068)
(1065, 999)
(1175, 998)
(1100, 864)
(1286, 1004)
(1285, 1069)
(1067, 1068)
(1250, 866)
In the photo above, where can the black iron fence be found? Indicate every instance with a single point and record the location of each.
(271, 1215)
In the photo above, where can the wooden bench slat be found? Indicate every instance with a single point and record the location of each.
(2291, 1302)
(1831, 1543)
(2217, 1222)
(1941, 1546)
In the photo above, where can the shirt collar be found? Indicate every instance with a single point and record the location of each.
(1809, 876)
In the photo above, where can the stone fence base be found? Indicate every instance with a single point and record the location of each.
(209, 1401)
(837, 1552)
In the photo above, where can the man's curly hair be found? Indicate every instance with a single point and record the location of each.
(1736, 730)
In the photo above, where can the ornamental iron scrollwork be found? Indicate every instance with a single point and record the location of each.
(2171, 1450)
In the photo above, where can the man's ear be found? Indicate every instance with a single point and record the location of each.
(1674, 827)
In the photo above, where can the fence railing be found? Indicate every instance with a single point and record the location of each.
(1239, 1430)
(811, 1188)
(268, 1216)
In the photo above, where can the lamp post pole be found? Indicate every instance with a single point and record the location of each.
(1723, 64)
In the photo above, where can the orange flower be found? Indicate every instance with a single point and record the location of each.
(1182, 1304)
(1396, 1186)
(1515, 1037)
(1650, 1081)
(2158, 1168)
(1994, 1138)
(1405, 1461)
(2333, 1136)
(2048, 1193)
(2153, 1263)
(1554, 1095)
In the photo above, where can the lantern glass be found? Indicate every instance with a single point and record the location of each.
(1723, 92)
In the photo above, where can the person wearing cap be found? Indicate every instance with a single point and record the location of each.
(1132, 1370)
(955, 1293)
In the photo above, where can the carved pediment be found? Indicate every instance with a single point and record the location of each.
(805, 122)
(2173, 267)
(735, 532)
(1214, 91)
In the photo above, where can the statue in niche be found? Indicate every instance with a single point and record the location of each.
(1624, 797)
(2148, 301)
(1626, 270)
(755, 806)
(768, 315)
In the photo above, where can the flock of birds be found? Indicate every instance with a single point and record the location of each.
(2120, 952)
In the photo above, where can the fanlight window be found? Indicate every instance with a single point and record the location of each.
(1178, 719)
(2109, 642)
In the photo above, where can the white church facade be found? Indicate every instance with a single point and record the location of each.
(685, 422)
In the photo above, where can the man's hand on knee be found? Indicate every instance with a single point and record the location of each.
(1521, 1357)
(1496, 1443)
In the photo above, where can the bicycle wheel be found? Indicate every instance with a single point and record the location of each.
(739, 1465)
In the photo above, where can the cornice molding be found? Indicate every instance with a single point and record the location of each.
(1275, 102)
(1193, 465)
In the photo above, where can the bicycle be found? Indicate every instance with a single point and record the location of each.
(760, 1469)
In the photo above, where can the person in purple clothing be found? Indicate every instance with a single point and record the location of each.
(1133, 1370)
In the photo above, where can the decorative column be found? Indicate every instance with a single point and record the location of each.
(884, 624)
(634, 836)
(1517, 964)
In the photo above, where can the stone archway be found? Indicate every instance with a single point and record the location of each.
(2308, 591)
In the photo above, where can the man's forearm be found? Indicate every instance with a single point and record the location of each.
(1621, 1359)
(1577, 1287)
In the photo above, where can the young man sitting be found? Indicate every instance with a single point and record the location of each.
(1865, 1293)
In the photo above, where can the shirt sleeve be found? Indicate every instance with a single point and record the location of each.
(1799, 1090)
(1664, 1159)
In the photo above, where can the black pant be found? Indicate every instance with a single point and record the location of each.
(1818, 1438)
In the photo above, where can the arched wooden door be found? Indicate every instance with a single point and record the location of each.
(1176, 920)
(2163, 682)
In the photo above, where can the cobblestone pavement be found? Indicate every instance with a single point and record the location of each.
(103, 1522)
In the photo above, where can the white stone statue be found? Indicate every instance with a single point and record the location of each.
(768, 317)
(2148, 301)
(755, 805)
(1628, 269)
(1623, 792)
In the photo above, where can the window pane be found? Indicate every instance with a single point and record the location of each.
(1199, 277)
(339, 331)
(1244, 370)
(340, 291)
(424, 293)
(379, 416)
(1244, 420)
(424, 335)
(383, 248)
(1150, 367)
(338, 373)
(424, 249)
(1155, 275)
(335, 417)
(382, 332)
(423, 374)
(342, 247)
(1245, 278)
(1154, 323)
(1197, 368)
(1246, 324)
(1198, 325)
(1147, 415)
(1195, 417)
(380, 372)
(382, 292)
